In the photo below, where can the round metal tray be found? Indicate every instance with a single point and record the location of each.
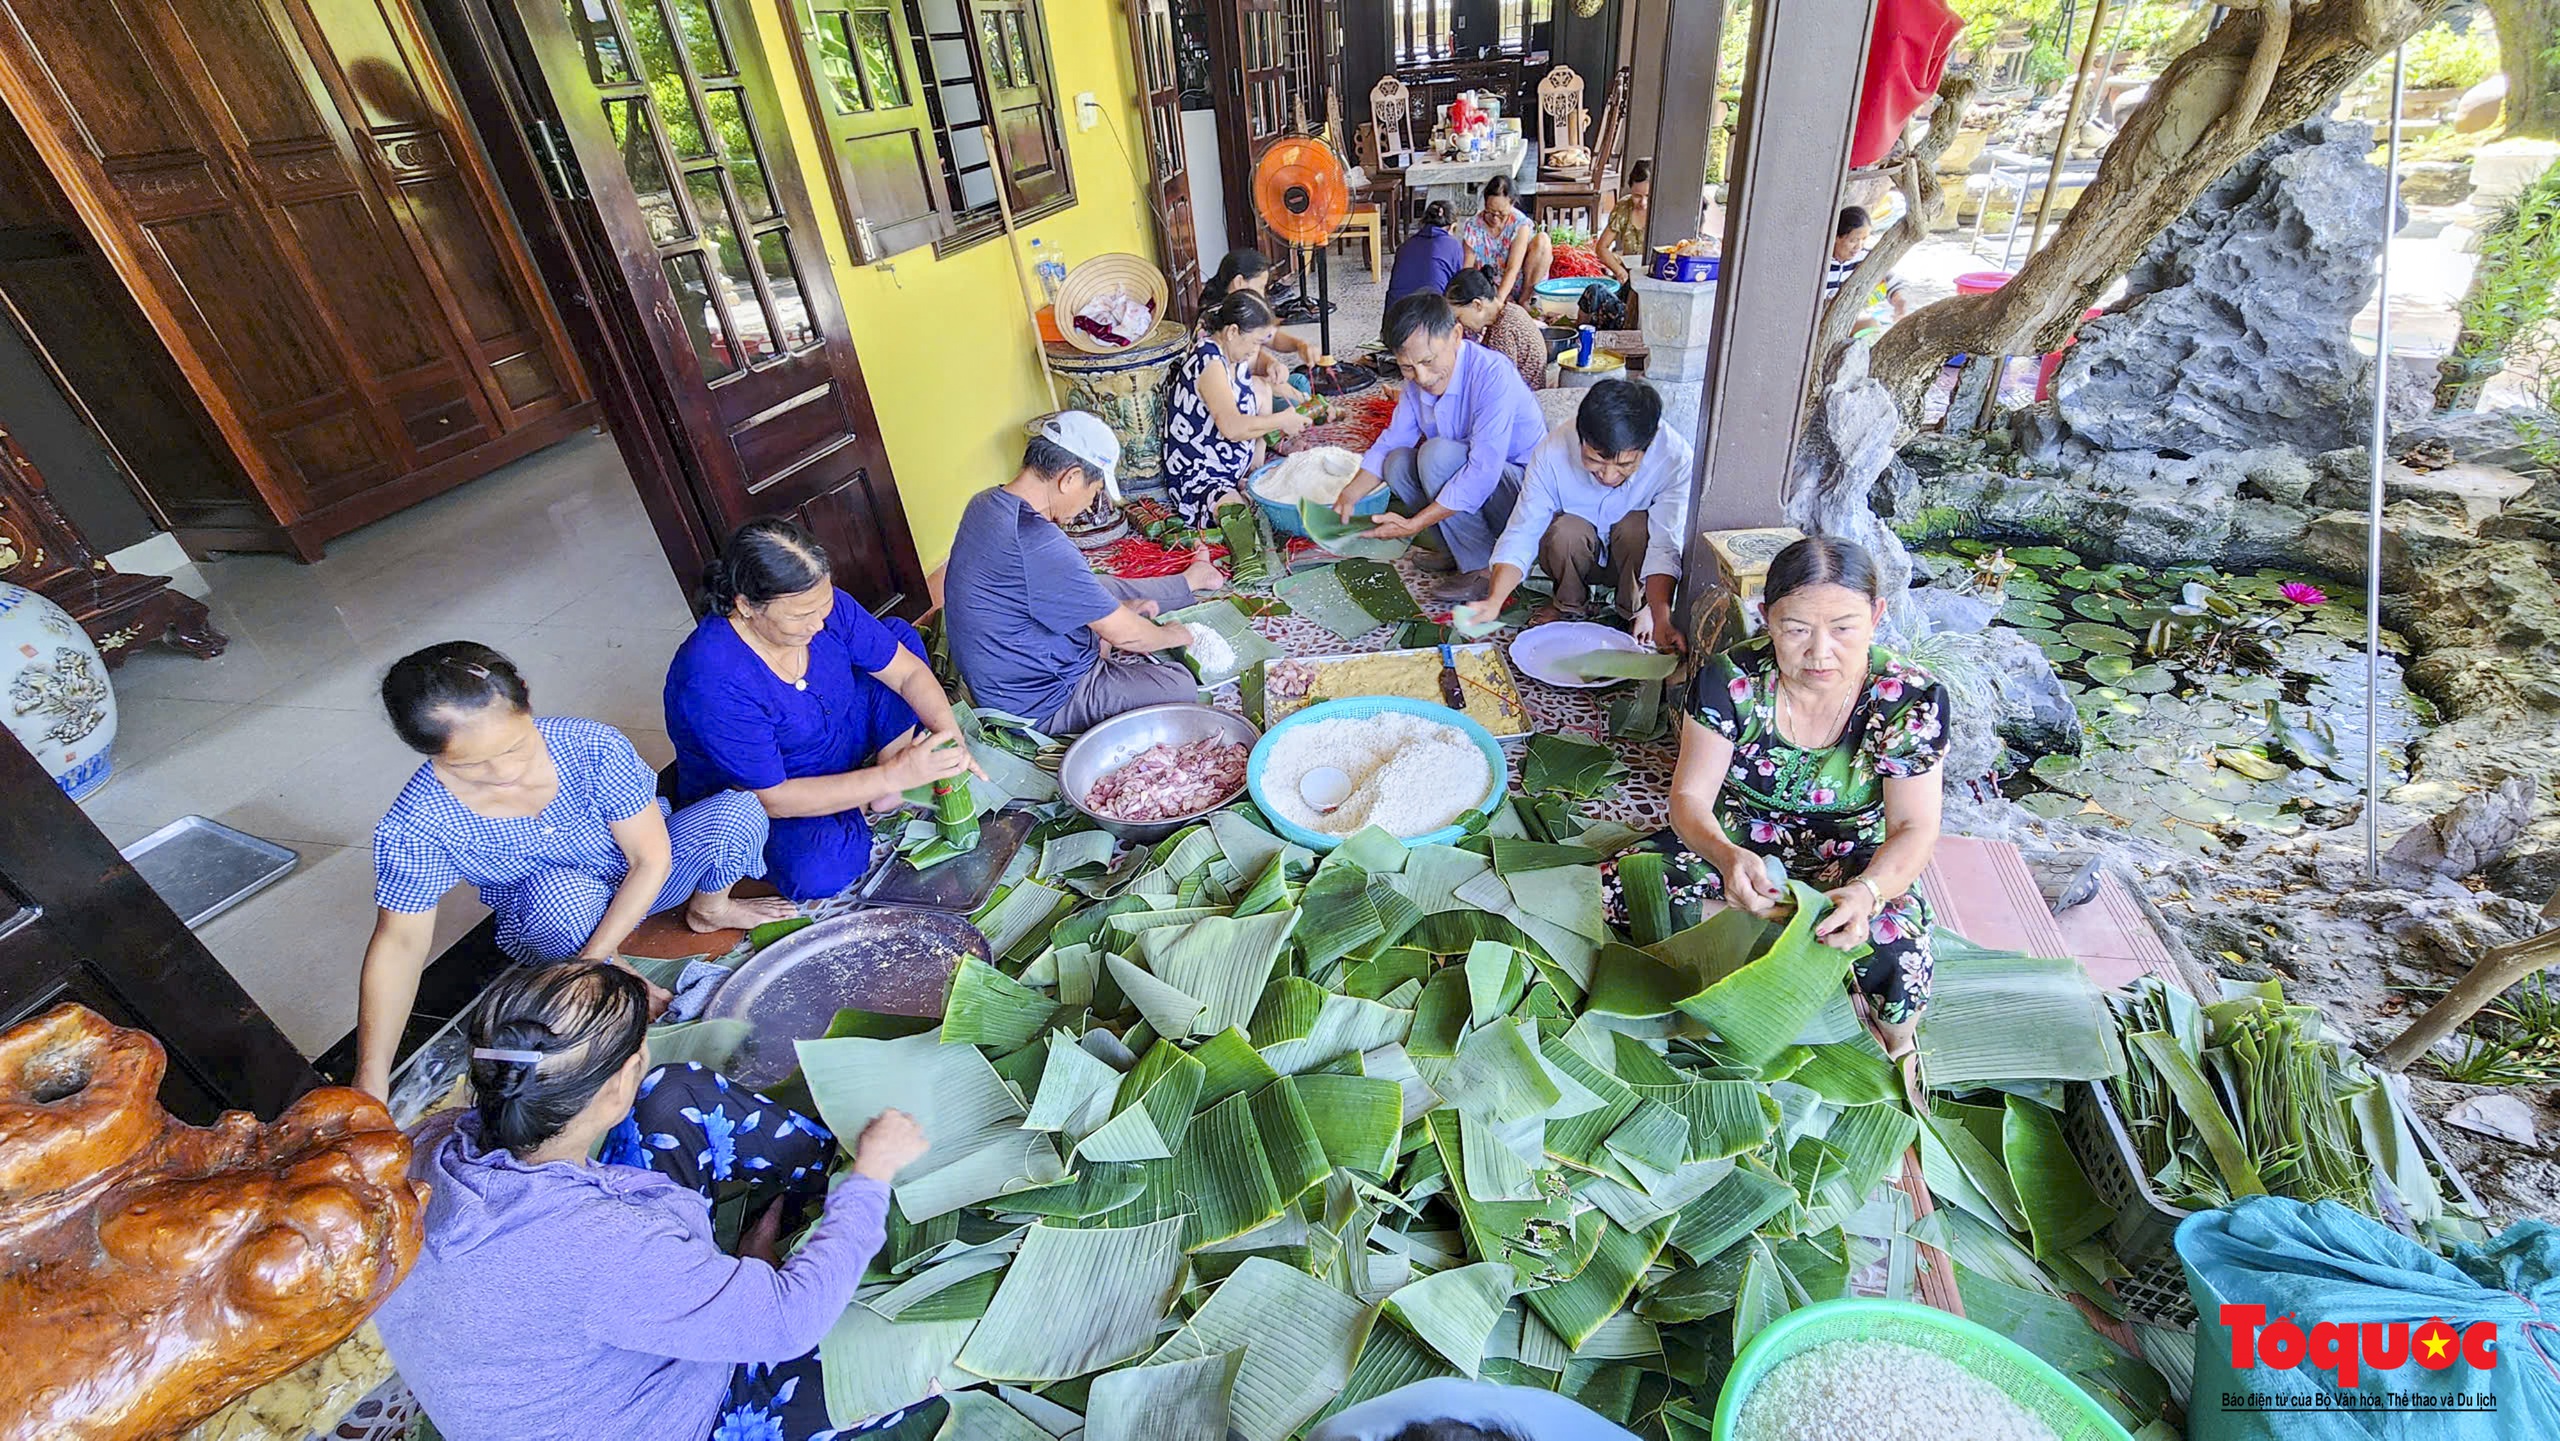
(888, 960)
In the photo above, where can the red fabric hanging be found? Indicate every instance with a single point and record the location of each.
(1905, 61)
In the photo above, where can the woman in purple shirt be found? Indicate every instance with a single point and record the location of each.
(570, 1287)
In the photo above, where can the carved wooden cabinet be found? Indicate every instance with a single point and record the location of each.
(286, 188)
(41, 550)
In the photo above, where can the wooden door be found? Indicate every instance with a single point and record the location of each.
(690, 206)
(300, 226)
(77, 924)
(1014, 76)
(1152, 39)
(862, 85)
(1259, 48)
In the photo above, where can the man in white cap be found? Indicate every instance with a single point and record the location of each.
(1033, 630)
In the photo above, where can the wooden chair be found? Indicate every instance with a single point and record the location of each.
(1384, 188)
(1582, 195)
(1560, 113)
(1391, 121)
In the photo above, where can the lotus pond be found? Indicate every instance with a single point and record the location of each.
(2211, 702)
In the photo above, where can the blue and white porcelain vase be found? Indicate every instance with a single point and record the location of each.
(59, 704)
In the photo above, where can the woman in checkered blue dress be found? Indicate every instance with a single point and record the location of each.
(555, 820)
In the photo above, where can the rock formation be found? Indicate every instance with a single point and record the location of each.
(154, 1270)
(2233, 332)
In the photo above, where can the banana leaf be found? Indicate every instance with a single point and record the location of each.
(1224, 961)
(989, 1008)
(980, 1150)
(984, 1416)
(1076, 1090)
(1169, 1009)
(1177, 1401)
(1300, 1337)
(1854, 1072)
(1151, 1109)
(1344, 1026)
(1378, 588)
(1248, 647)
(1739, 1204)
(1318, 595)
(903, 1300)
(1611, 664)
(1757, 985)
(2053, 1192)
(1497, 1078)
(1230, 1066)
(870, 1365)
(1644, 879)
(1359, 1120)
(1579, 1307)
(1640, 715)
(1390, 1361)
(1074, 851)
(1567, 766)
(1023, 911)
(1454, 1312)
(1123, 1280)
(2201, 1109)
(1999, 1016)
(1346, 537)
(710, 1044)
(1510, 856)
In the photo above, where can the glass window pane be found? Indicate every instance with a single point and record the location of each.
(835, 63)
(701, 321)
(651, 45)
(702, 43)
(593, 25)
(878, 46)
(636, 138)
(729, 262)
(991, 48)
(942, 17)
(782, 278)
(738, 147)
(1019, 44)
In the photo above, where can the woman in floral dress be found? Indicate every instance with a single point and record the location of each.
(1221, 411)
(1812, 745)
(1499, 325)
(1501, 236)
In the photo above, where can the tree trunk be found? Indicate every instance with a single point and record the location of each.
(2211, 107)
(2487, 980)
(2529, 53)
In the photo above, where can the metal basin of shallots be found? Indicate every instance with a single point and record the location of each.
(1117, 741)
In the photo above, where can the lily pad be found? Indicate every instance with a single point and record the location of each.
(1970, 547)
(2078, 578)
(2150, 680)
(2250, 764)
(2098, 606)
(2063, 773)
(2059, 651)
(2104, 639)
(2028, 588)
(2108, 669)
(2018, 610)
(2053, 805)
(2043, 555)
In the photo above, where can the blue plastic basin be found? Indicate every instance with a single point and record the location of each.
(1284, 518)
(1358, 708)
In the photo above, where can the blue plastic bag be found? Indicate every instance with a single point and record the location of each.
(2336, 1287)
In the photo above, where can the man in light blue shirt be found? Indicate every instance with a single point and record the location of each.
(1464, 427)
(1607, 494)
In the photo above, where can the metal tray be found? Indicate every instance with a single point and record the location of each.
(1492, 649)
(892, 961)
(960, 884)
(202, 867)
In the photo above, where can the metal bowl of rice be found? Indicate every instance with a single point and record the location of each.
(1121, 739)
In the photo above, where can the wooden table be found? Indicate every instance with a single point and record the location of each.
(1457, 181)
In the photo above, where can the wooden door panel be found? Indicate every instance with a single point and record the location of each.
(246, 311)
(255, 82)
(1152, 41)
(858, 72)
(672, 117)
(104, 78)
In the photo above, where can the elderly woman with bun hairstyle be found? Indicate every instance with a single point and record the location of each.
(572, 1287)
(790, 691)
(555, 820)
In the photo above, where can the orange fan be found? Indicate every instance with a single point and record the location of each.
(1303, 194)
(1301, 190)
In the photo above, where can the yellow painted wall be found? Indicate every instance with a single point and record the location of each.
(949, 347)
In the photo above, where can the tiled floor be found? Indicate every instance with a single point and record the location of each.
(550, 560)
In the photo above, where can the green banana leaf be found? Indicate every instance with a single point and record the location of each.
(2054, 1193)
(988, 1008)
(1300, 1340)
(1177, 1401)
(1346, 537)
(1123, 1281)
(979, 1150)
(1454, 1312)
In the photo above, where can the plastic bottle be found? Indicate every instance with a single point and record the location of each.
(1050, 264)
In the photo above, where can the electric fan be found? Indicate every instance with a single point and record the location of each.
(1303, 194)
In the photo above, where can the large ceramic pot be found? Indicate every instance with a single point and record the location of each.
(58, 702)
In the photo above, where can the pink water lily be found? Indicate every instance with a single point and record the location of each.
(2302, 594)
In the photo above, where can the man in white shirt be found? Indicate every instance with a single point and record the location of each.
(1606, 494)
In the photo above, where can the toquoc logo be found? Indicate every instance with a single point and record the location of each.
(2349, 1349)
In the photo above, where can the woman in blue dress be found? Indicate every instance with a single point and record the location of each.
(1221, 410)
(792, 692)
(555, 820)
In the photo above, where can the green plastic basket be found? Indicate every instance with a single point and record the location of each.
(2044, 1392)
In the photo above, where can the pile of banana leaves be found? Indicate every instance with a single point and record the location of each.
(1234, 1135)
(2250, 1096)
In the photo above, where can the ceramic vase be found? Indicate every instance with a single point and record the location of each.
(58, 702)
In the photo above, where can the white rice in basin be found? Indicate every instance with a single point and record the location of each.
(1409, 776)
(1879, 1390)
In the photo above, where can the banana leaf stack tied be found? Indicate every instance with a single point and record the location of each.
(1232, 1136)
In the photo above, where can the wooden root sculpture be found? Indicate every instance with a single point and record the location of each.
(150, 1271)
